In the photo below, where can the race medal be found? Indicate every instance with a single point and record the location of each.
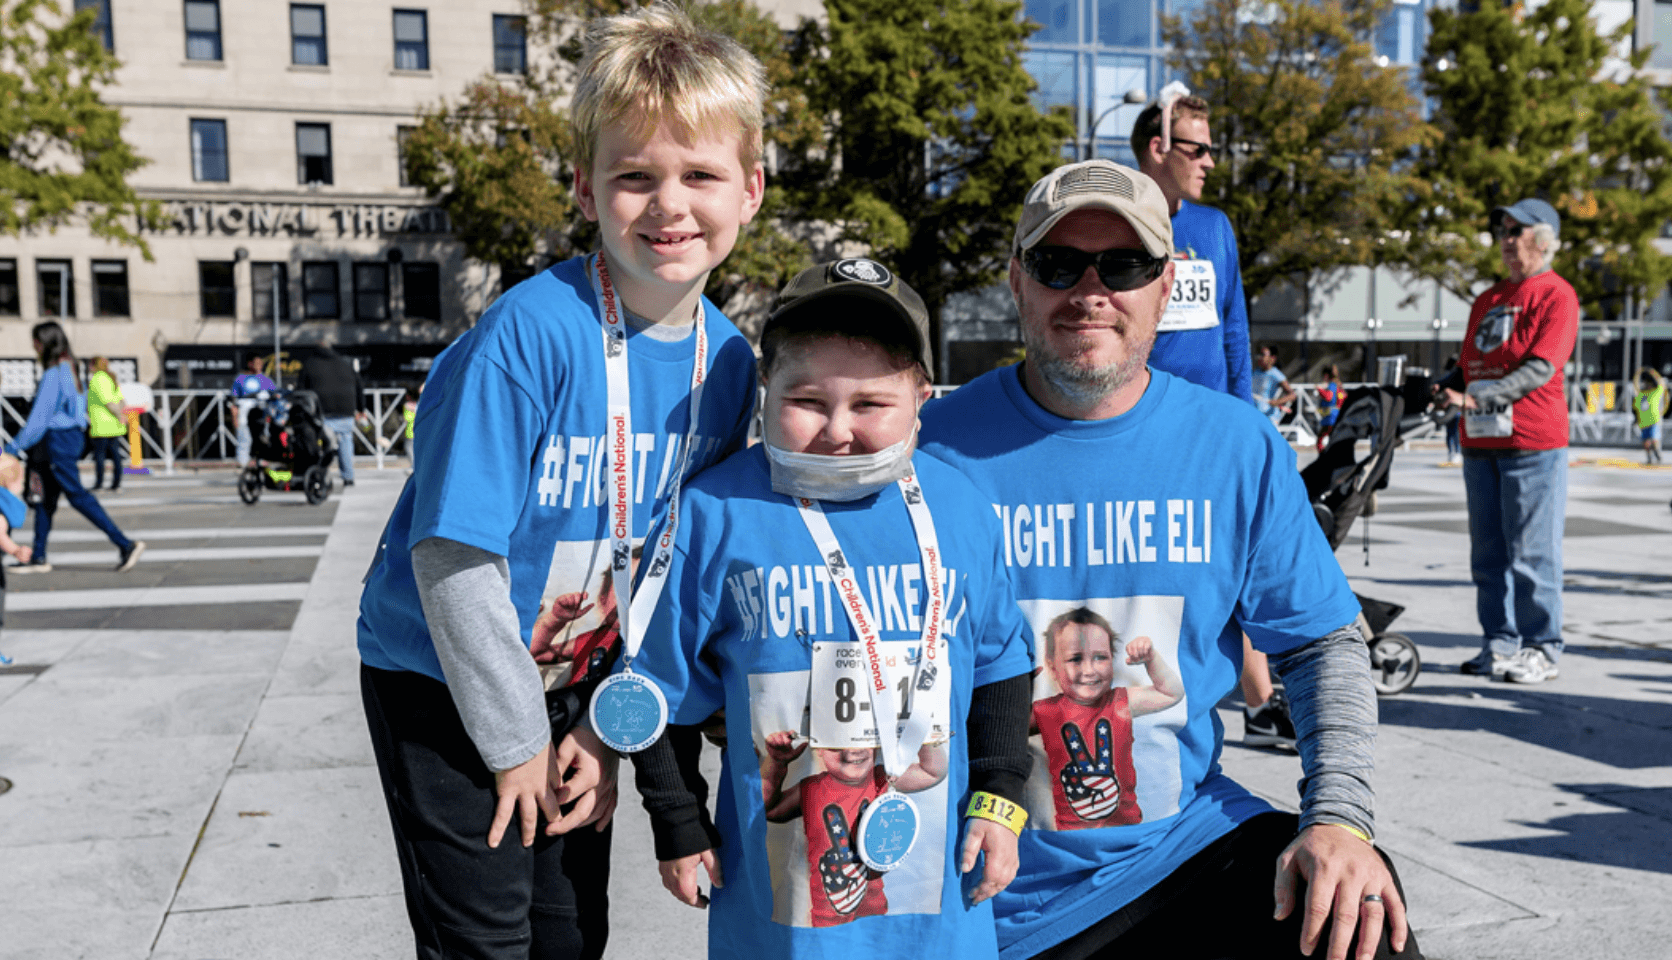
(887, 831)
(628, 712)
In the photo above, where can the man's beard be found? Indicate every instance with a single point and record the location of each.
(1076, 381)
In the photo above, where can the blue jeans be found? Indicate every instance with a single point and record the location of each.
(343, 427)
(107, 448)
(1517, 506)
(63, 450)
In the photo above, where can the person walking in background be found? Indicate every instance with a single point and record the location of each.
(1272, 393)
(1649, 404)
(1330, 394)
(1454, 442)
(56, 425)
(104, 423)
(1510, 387)
(409, 414)
(341, 399)
(248, 389)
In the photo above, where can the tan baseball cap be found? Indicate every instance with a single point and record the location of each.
(1097, 185)
(857, 278)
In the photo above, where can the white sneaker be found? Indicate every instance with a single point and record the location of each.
(1530, 665)
(1485, 664)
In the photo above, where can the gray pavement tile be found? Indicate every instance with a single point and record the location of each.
(306, 733)
(148, 653)
(10, 685)
(1615, 933)
(276, 615)
(97, 710)
(79, 933)
(291, 836)
(363, 928)
(41, 646)
(67, 791)
(95, 900)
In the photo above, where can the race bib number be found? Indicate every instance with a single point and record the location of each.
(1194, 305)
(1488, 419)
(840, 700)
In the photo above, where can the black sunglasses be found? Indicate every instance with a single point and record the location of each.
(1511, 230)
(1062, 267)
(1201, 149)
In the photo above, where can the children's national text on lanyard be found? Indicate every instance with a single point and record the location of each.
(889, 827)
(628, 711)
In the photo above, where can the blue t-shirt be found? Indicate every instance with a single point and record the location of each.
(751, 622)
(250, 385)
(1116, 527)
(513, 417)
(1267, 386)
(15, 510)
(1215, 357)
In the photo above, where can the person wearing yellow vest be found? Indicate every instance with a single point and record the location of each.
(1650, 403)
(409, 413)
(104, 423)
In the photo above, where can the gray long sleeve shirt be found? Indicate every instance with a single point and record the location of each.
(466, 595)
(1333, 705)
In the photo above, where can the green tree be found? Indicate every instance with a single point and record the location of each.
(930, 136)
(1537, 104)
(1319, 135)
(499, 157)
(62, 155)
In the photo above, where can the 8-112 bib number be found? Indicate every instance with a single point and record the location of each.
(841, 716)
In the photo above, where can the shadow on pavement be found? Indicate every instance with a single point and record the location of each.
(1626, 838)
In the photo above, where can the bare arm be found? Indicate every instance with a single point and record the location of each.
(929, 769)
(1165, 687)
(782, 805)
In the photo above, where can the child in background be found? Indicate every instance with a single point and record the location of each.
(845, 363)
(1650, 403)
(516, 415)
(12, 514)
(1092, 778)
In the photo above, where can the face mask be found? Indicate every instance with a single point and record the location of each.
(820, 476)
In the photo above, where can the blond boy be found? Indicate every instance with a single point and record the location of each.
(507, 503)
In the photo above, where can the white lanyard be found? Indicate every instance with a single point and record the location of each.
(619, 443)
(898, 746)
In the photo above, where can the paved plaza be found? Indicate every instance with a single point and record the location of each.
(192, 778)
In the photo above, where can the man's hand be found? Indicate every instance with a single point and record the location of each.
(524, 790)
(996, 840)
(680, 877)
(1339, 871)
(1456, 398)
(582, 772)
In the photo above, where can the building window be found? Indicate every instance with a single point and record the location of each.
(402, 134)
(1662, 36)
(1124, 23)
(1399, 39)
(101, 21)
(216, 289)
(319, 290)
(1056, 19)
(313, 153)
(412, 40)
(203, 29)
(421, 288)
(371, 291)
(209, 150)
(56, 283)
(10, 305)
(110, 288)
(510, 44)
(307, 35)
(264, 277)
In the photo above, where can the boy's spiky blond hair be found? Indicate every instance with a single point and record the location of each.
(654, 65)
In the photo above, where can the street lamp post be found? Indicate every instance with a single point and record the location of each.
(1133, 97)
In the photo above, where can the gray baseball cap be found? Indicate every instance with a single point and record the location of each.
(1529, 212)
(1097, 185)
(856, 278)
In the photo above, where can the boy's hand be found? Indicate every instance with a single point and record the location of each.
(1138, 650)
(524, 790)
(999, 844)
(781, 746)
(583, 773)
(680, 877)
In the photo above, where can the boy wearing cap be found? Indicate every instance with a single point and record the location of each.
(1189, 541)
(1513, 392)
(831, 575)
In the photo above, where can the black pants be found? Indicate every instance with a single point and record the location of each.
(545, 902)
(1217, 906)
(107, 448)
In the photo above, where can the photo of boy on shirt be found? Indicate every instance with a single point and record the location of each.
(1086, 729)
(576, 630)
(830, 805)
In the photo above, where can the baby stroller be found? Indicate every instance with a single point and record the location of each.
(288, 432)
(1341, 486)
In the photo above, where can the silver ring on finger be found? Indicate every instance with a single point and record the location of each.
(1371, 898)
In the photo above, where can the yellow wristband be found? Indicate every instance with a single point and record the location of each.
(1355, 831)
(988, 806)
